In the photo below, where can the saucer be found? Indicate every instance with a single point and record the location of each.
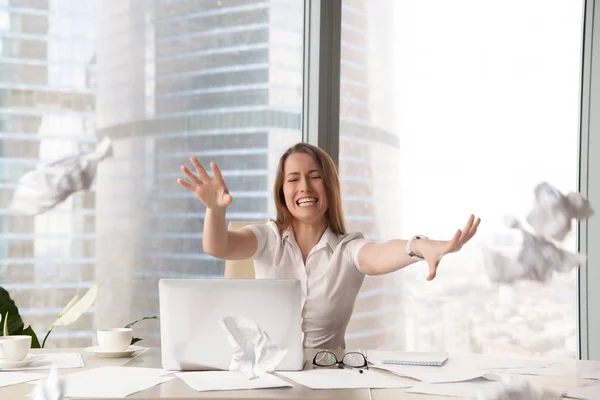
(97, 351)
(19, 364)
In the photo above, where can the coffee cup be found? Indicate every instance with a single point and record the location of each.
(115, 339)
(14, 348)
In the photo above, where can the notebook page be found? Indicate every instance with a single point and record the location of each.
(407, 357)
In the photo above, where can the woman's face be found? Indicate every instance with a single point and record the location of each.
(304, 188)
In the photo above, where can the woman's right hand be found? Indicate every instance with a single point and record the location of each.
(212, 192)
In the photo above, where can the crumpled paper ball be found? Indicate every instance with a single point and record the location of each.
(537, 260)
(254, 353)
(550, 219)
(49, 185)
(552, 212)
(518, 388)
(52, 388)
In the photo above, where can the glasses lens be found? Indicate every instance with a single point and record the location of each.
(325, 359)
(354, 360)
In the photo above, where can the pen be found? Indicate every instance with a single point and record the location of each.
(360, 371)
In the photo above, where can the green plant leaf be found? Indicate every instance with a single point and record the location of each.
(135, 340)
(7, 305)
(75, 311)
(135, 322)
(35, 343)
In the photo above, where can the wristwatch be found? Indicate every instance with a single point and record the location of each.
(409, 250)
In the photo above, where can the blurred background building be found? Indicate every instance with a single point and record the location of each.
(46, 111)
(222, 80)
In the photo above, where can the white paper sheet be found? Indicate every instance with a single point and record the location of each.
(228, 380)
(486, 362)
(13, 378)
(551, 370)
(113, 382)
(61, 360)
(458, 389)
(571, 368)
(588, 369)
(588, 392)
(451, 371)
(343, 379)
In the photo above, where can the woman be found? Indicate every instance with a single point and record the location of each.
(308, 240)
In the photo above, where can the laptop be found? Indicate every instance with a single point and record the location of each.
(191, 336)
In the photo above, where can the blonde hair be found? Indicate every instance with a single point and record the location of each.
(329, 174)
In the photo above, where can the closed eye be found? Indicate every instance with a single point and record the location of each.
(293, 180)
(315, 177)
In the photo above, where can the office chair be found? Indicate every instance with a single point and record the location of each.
(239, 269)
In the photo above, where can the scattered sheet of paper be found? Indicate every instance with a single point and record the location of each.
(451, 371)
(61, 360)
(580, 369)
(228, 380)
(552, 370)
(587, 369)
(459, 389)
(113, 382)
(590, 375)
(588, 392)
(343, 379)
(485, 362)
(13, 378)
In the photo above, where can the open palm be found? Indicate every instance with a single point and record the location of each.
(212, 192)
(434, 250)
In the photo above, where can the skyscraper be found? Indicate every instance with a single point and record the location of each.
(218, 80)
(46, 111)
(221, 80)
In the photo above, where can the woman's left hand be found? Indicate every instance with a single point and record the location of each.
(434, 250)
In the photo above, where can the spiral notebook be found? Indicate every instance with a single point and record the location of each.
(407, 357)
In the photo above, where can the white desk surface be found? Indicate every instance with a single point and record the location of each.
(177, 389)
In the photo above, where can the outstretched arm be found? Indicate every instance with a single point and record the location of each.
(217, 240)
(383, 258)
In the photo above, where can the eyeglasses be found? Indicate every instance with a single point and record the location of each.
(327, 358)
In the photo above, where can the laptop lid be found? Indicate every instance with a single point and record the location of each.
(191, 337)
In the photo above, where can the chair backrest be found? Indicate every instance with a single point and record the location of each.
(239, 269)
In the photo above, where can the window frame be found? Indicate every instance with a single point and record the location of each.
(321, 85)
(589, 184)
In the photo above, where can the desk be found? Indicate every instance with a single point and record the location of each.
(177, 389)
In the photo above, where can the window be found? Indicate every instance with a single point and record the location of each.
(214, 98)
(215, 93)
(446, 112)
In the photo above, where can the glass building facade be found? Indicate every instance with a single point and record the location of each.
(165, 80)
(47, 101)
(218, 80)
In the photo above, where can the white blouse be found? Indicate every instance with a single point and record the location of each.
(329, 281)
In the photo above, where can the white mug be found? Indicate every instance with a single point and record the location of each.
(14, 348)
(116, 339)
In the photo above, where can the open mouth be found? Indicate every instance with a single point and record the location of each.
(307, 201)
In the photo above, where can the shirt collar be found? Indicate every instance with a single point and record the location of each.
(328, 238)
